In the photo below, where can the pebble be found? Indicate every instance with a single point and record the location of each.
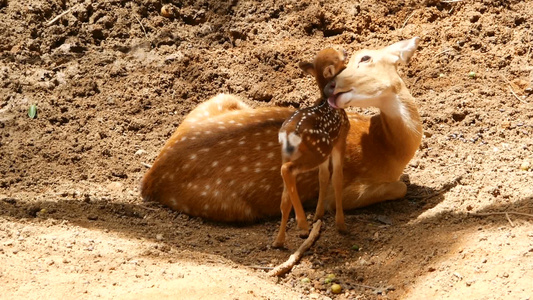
(525, 166)
(159, 237)
(140, 152)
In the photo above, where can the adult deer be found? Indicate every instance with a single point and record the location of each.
(313, 138)
(222, 163)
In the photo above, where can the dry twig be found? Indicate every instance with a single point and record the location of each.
(406, 20)
(511, 89)
(509, 219)
(146, 165)
(142, 26)
(148, 208)
(59, 16)
(296, 256)
(261, 268)
(501, 213)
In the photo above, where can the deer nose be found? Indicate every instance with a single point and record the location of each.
(329, 88)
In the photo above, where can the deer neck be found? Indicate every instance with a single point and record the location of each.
(400, 122)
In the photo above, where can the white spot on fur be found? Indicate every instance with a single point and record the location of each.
(294, 139)
(229, 168)
(193, 156)
(215, 163)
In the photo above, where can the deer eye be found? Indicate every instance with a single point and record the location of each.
(365, 58)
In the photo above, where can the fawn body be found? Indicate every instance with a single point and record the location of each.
(222, 163)
(313, 138)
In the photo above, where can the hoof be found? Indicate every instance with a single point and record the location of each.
(278, 244)
(303, 233)
(341, 228)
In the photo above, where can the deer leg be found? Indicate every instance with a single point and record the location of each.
(289, 179)
(360, 195)
(285, 211)
(337, 157)
(323, 176)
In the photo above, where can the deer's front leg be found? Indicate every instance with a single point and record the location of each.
(289, 179)
(323, 178)
(337, 157)
(285, 211)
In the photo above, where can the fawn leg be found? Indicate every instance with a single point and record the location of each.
(285, 211)
(337, 156)
(323, 176)
(289, 180)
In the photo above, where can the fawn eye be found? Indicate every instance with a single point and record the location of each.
(365, 58)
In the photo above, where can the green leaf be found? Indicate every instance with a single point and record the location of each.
(32, 112)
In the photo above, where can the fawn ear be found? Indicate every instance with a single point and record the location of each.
(308, 67)
(403, 50)
(329, 72)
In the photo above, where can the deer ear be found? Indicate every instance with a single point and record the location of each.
(329, 72)
(403, 50)
(308, 67)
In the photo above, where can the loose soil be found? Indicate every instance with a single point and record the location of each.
(113, 79)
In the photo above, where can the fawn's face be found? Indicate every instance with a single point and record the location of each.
(326, 65)
(371, 75)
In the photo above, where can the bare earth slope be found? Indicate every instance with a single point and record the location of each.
(113, 79)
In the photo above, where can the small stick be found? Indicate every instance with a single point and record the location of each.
(261, 268)
(142, 26)
(146, 165)
(444, 51)
(511, 89)
(406, 20)
(59, 16)
(509, 219)
(296, 256)
(450, 1)
(365, 286)
(148, 208)
(515, 95)
(501, 213)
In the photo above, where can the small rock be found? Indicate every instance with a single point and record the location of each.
(92, 217)
(159, 237)
(140, 152)
(525, 166)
